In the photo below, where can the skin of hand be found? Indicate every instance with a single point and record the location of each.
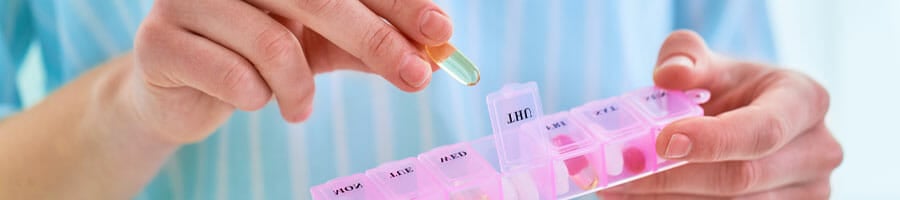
(199, 60)
(194, 63)
(764, 135)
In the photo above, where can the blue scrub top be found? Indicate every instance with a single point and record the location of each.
(577, 51)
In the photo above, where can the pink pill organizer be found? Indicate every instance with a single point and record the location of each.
(564, 155)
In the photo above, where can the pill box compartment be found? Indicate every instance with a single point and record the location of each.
(353, 187)
(407, 179)
(659, 107)
(523, 157)
(577, 156)
(527, 181)
(628, 145)
(463, 172)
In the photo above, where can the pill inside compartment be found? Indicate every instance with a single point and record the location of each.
(627, 142)
(576, 152)
(531, 180)
(407, 179)
(659, 107)
(356, 186)
(462, 172)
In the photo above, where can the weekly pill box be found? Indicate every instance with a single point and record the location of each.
(562, 155)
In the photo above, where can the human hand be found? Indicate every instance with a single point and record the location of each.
(196, 61)
(764, 138)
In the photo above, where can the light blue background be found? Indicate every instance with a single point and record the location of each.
(853, 48)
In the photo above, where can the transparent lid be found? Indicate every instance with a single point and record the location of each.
(605, 117)
(405, 179)
(562, 134)
(457, 165)
(356, 186)
(511, 107)
(663, 106)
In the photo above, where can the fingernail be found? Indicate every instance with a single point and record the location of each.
(679, 146)
(677, 60)
(414, 71)
(435, 26)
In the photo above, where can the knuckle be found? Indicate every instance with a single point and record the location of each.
(834, 155)
(822, 190)
(237, 82)
(821, 96)
(274, 43)
(150, 32)
(235, 78)
(150, 44)
(818, 94)
(378, 42)
(167, 9)
(835, 158)
(774, 131)
(738, 177)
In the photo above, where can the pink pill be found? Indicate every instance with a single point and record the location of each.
(575, 164)
(634, 160)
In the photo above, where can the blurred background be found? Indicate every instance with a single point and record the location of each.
(853, 48)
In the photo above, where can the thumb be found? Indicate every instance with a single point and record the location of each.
(683, 62)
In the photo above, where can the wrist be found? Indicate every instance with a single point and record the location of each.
(83, 141)
(114, 110)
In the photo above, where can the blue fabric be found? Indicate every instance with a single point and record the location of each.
(577, 51)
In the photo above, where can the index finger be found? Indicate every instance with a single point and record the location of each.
(355, 28)
(420, 20)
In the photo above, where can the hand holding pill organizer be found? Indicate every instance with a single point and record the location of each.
(564, 155)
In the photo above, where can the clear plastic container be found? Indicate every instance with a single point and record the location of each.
(659, 107)
(463, 172)
(407, 179)
(529, 181)
(577, 156)
(356, 186)
(523, 154)
(628, 144)
(564, 155)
